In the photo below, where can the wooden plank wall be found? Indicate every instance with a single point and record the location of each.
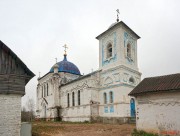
(9, 65)
(12, 75)
(12, 85)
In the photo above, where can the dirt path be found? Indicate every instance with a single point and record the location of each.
(73, 129)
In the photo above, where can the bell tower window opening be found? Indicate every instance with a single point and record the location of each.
(131, 80)
(79, 98)
(128, 50)
(109, 51)
(73, 100)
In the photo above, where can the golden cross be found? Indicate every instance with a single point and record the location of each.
(65, 49)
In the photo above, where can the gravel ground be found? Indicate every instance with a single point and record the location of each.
(80, 129)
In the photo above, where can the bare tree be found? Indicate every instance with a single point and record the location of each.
(24, 115)
(28, 112)
(31, 108)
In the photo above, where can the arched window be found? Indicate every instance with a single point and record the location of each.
(111, 97)
(44, 91)
(47, 89)
(105, 98)
(109, 51)
(79, 98)
(128, 50)
(68, 104)
(73, 100)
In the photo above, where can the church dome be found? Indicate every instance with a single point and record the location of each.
(66, 66)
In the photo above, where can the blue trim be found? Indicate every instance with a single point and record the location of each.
(132, 43)
(114, 58)
(111, 108)
(106, 109)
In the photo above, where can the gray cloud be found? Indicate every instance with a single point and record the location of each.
(36, 31)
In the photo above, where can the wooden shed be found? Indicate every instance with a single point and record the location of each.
(14, 75)
(158, 104)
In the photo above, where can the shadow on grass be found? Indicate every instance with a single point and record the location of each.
(142, 133)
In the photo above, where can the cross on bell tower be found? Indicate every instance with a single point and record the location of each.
(117, 15)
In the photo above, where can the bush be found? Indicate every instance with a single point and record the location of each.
(86, 121)
(142, 133)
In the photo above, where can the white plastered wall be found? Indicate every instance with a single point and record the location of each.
(117, 80)
(159, 112)
(88, 93)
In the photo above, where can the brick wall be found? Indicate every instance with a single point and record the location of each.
(10, 115)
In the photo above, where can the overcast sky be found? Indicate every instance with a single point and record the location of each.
(36, 30)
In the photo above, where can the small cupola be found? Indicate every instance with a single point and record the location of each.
(55, 68)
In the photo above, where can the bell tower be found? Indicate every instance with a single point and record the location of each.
(118, 46)
(119, 69)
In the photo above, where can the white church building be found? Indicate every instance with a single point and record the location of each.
(63, 93)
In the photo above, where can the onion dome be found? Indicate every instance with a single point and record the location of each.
(66, 66)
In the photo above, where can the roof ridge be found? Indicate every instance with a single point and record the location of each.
(162, 76)
(158, 83)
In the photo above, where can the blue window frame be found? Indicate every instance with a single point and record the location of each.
(111, 108)
(106, 109)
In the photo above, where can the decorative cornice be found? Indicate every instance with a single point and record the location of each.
(81, 77)
(110, 104)
(88, 116)
(117, 85)
(78, 87)
(72, 107)
(118, 67)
